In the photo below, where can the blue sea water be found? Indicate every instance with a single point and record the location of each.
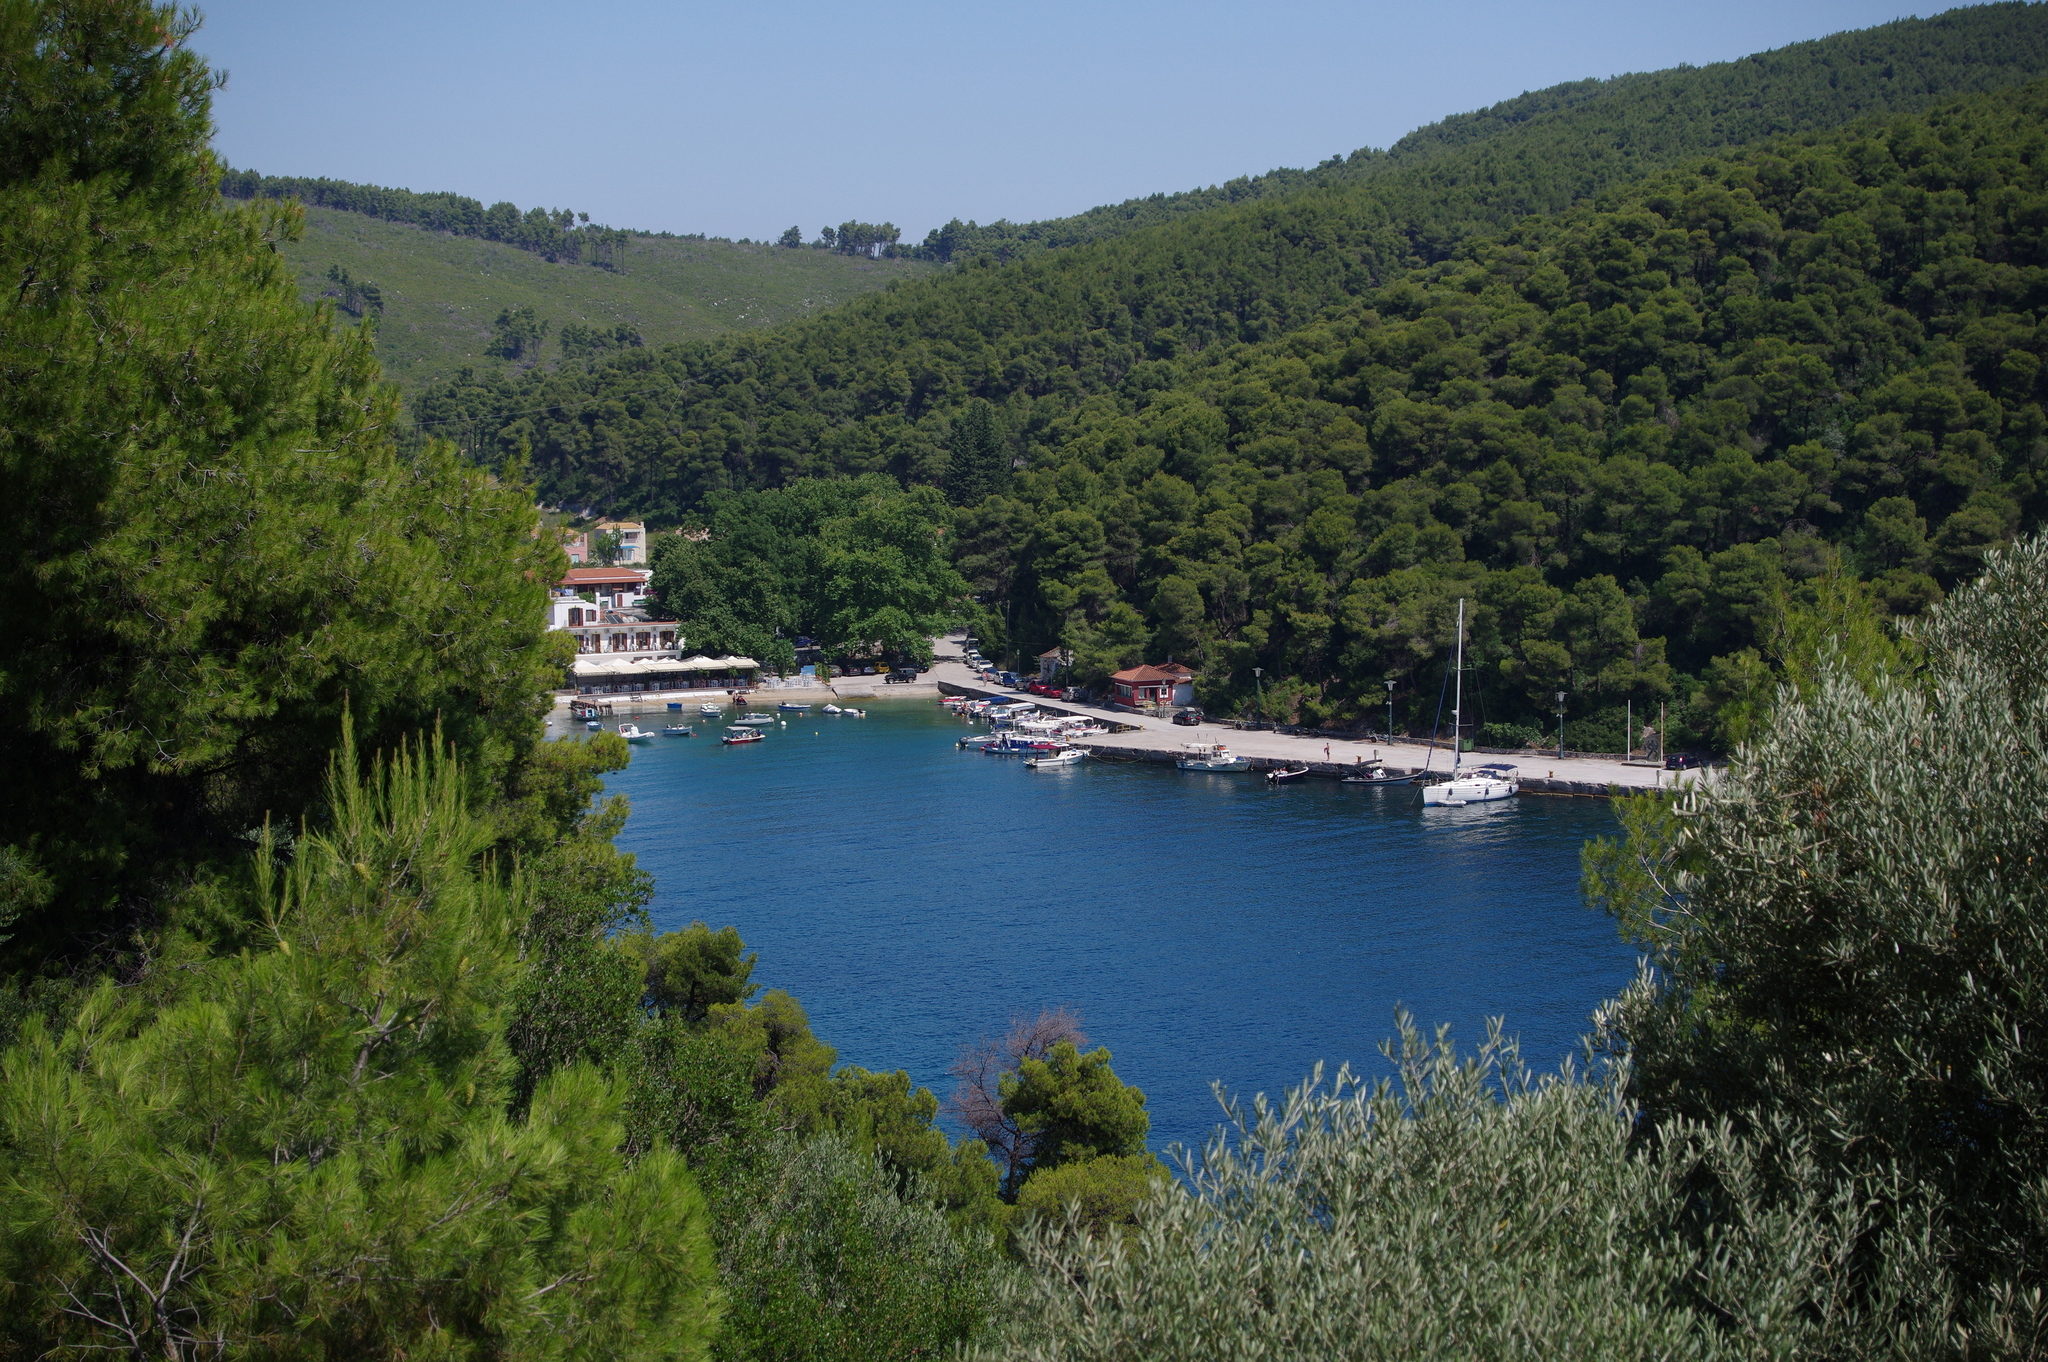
(1206, 927)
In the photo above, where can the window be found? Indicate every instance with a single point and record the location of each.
(575, 615)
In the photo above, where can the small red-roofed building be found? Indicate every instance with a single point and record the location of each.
(1137, 687)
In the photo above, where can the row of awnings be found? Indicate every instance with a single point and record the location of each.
(597, 665)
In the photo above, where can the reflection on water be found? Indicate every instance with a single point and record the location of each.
(1207, 927)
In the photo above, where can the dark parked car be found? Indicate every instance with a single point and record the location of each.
(1189, 717)
(901, 674)
(1685, 761)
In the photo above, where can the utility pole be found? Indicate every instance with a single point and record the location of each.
(1560, 725)
(1390, 711)
(1258, 679)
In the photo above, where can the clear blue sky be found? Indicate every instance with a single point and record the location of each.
(740, 119)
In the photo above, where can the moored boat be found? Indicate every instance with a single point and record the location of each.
(755, 720)
(831, 709)
(1482, 784)
(1473, 785)
(1376, 773)
(634, 733)
(679, 731)
(794, 706)
(1211, 756)
(1066, 756)
(710, 711)
(1285, 773)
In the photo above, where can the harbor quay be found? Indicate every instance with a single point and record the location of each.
(1142, 737)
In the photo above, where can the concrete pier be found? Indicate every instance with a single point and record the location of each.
(1149, 739)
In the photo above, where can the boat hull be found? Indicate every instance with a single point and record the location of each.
(1458, 793)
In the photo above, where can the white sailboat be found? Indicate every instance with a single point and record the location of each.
(1481, 784)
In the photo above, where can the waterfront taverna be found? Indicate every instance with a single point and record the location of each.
(621, 649)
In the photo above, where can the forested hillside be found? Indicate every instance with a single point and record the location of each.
(437, 298)
(1661, 443)
(331, 1023)
(1625, 126)
(873, 386)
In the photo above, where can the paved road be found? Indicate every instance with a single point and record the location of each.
(1165, 736)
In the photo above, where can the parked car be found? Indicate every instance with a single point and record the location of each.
(1685, 761)
(900, 675)
(1189, 717)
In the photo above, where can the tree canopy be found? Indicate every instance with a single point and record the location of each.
(215, 546)
(860, 565)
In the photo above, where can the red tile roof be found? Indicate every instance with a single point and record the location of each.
(1146, 675)
(604, 576)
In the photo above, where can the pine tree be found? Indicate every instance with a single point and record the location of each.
(213, 545)
(977, 464)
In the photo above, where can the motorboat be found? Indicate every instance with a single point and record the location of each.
(794, 706)
(1066, 756)
(711, 711)
(593, 725)
(1377, 774)
(977, 741)
(854, 713)
(831, 709)
(1481, 784)
(680, 731)
(1280, 774)
(1211, 756)
(755, 720)
(675, 704)
(743, 735)
(635, 733)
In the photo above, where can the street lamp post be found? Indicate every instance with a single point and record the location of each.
(1560, 725)
(1258, 680)
(1390, 711)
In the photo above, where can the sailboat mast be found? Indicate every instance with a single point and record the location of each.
(1458, 702)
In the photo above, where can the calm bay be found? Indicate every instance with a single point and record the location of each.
(1207, 928)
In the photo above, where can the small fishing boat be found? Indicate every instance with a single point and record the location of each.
(634, 733)
(1211, 756)
(1285, 773)
(711, 711)
(743, 735)
(679, 731)
(755, 720)
(977, 741)
(675, 704)
(794, 706)
(854, 713)
(832, 709)
(1065, 757)
(593, 725)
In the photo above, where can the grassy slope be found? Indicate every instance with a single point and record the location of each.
(441, 292)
